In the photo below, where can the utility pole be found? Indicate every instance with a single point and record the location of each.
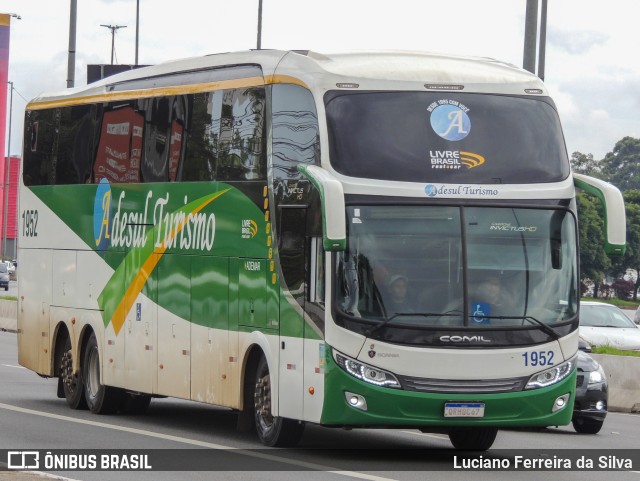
(543, 39)
(113, 29)
(530, 34)
(530, 37)
(137, 27)
(71, 61)
(259, 24)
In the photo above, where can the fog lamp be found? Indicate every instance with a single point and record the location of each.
(560, 403)
(356, 401)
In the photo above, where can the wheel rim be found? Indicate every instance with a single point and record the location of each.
(262, 402)
(66, 370)
(93, 373)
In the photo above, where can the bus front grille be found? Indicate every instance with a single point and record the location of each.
(462, 386)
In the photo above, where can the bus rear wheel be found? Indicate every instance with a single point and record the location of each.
(101, 399)
(272, 430)
(72, 383)
(473, 439)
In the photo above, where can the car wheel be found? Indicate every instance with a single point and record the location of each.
(587, 426)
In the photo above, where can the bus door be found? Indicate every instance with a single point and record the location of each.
(140, 325)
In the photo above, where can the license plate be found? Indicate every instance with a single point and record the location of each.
(464, 410)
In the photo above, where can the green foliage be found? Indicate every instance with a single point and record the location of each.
(593, 260)
(621, 167)
(629, 305)
(585, 164)
(613, 351)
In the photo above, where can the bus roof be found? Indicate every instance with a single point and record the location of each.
(381, 70)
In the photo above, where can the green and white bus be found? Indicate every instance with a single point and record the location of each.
(381, 240)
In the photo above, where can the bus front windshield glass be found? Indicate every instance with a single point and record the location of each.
(433, 267)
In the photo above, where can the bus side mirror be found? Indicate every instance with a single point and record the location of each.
(614, 213)
(334, 232)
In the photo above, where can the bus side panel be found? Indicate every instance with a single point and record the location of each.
(33, 309)
(90, 266)
(139, 331)
(64, 278)
(174, 330)
(211, 379)
(235, 375)
(291, 358)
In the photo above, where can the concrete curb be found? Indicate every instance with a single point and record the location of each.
(623, 375)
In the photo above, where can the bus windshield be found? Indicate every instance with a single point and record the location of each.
(446, 137)
(461, 267)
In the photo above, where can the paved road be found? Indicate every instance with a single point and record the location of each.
(31, 417)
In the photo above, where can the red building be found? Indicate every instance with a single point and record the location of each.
(11, 215)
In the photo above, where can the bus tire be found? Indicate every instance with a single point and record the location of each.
(72, 383)
(473, 439)
(272, 430)
(101, 399)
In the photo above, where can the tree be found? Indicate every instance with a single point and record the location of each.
(631, 258)
(621, 167)
(585, 164)
(593, 260)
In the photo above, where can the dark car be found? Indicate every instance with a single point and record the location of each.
(590, 406)
(4, 276)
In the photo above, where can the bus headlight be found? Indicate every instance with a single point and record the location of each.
(552, 375)
(364, 372)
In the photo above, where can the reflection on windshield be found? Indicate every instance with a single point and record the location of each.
(408, 266)
(604, 316)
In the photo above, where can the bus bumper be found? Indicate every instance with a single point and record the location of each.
(387, 407)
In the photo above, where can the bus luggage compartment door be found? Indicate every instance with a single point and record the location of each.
(252, 293)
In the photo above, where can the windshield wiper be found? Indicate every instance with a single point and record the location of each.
(381, 324)
(542, 325)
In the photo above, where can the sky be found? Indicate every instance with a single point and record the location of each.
(591, 67)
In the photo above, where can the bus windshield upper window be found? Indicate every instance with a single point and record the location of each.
(446, 137)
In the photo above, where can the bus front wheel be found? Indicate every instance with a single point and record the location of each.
(101, 399)
(272, 430)
(473, 439)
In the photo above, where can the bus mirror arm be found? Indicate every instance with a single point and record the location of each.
(614, 213)
(334, 232)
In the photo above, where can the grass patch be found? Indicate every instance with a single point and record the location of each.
(612, 351)
(8, 298)
(632, 305)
